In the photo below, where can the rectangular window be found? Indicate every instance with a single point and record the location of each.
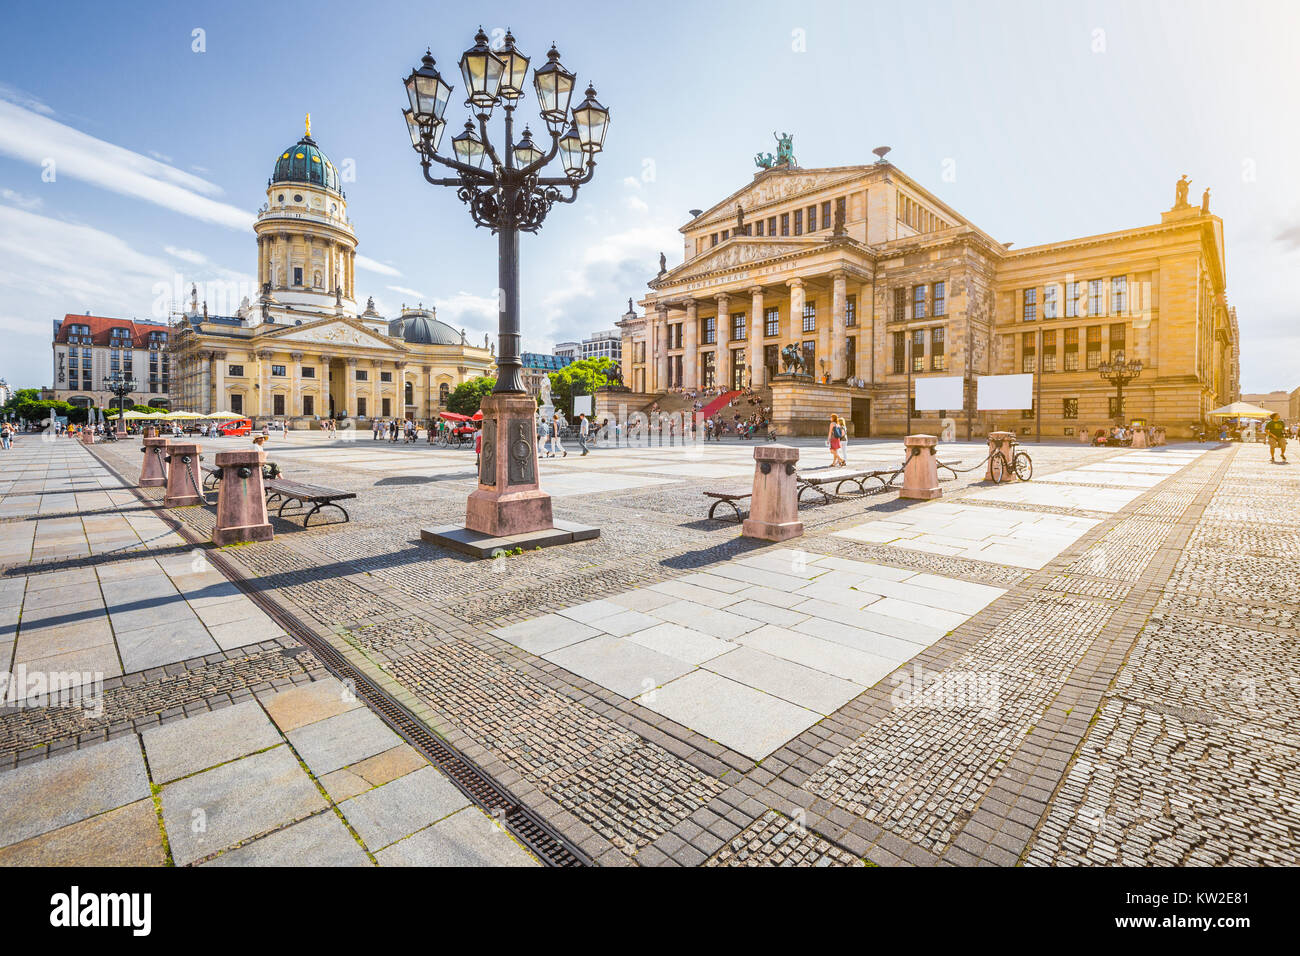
(798, 222)
(307, 371)
(760, 227)
(850, 357)
(710, 331)
(1119, 295)
(1049, 351)
(851, 311)
(1072, 350)
(278, 371)
(1028, 352)
(361, 406)
(810, 355)
(900, 355)
(771, 356)
(1072, 300)
(297, 276)
(386, 406)
(1070, 408)
(773, 322)
(918, 302)
(309, 404)
(940, 300)
(1116, 340)
(810, 316)
(277, 404)
(362, 375)
(385, 376)
(1049, 301)
(709, 376)
(826, 214)
(771, 225)
(737, 326)
(785, 224)
(918, 350)
(1094, 346)
(713, 240)
(1096, 305)
(235, 371)
(812, 218)
(938, 360)
(1029, 306)
(900, 305)
(726, 234)
(237, 404)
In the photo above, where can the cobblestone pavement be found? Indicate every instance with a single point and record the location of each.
(976, 749)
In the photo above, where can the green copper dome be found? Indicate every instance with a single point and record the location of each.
(305, 163)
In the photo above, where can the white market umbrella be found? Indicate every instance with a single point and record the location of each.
(1240, 410)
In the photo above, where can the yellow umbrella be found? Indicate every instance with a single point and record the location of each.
(181, 416)
(1240, 410)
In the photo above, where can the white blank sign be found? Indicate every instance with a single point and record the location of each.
(1003, 392)
(939, 394)
(582, 405)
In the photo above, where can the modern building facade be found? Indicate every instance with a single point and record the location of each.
(605, 344)
(879, 282)
(88, 349)
(538, 366)
(303, 351)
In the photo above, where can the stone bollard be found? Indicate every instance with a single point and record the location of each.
(153, 470)
(921, 469)
(87, 436)
(184, 479)
(774, 507)
(1000, 441)
(1139, 438)
(241, 502)
(150, 431)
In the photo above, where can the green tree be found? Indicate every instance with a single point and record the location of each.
(582, 377)
(466, 397)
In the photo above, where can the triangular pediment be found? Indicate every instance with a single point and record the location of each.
(338, 331)
(737, 252)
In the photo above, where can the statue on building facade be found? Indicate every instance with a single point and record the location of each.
(839, 219)
(793, 358)
(1205, 202)
(1180, 191)
(663, 263)
(630, 310)
(784, 153)
(740, 219)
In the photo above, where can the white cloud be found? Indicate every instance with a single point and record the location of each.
(24, 99)
(412, 293)
(186, 255)
(35, 138)
(21, 200)
(372, 265)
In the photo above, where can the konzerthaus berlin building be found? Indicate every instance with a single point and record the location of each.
(304, 350)
(880, 282)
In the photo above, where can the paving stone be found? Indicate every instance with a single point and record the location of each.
(388, 813)
(467, 838)
(187, 746)
(342, 740)
(320, 840)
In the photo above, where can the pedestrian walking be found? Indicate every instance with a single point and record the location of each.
(583, 429)
(556, 444)
(834, 437)
(1275, 430)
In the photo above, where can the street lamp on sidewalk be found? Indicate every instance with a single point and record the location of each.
(1119, 373)
(121, 386)
(506, 192)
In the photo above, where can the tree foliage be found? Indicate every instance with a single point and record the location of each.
(582, 378)
(466, 397)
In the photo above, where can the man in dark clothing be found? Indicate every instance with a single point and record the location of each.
(1275, 431)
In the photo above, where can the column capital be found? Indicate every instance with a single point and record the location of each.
(296, 356)
(795, 283)
(755, 290)
(351, 360)
(839, 275)
(692, 307)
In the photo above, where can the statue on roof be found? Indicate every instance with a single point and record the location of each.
(1205, 201)
(1180, 190)
(630, 310)
(785, 149)
(839, 219)
(740, 218)
(663, 263)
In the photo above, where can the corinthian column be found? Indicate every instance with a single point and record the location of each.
(756, 330)
(661, 349)
(796, 310)
(723, 323)
(839, 302)
(691, 335)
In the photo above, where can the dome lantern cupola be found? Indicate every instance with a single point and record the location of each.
(304, 162)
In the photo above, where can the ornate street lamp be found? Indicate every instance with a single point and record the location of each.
(507, 192)
(1119, 373)
(121, 386)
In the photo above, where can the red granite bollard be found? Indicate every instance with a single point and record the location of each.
(241, 502)
(1001, 441)
(153, 469)
(774, 506)
(184, 479)
(1139, 438)
(921, 469)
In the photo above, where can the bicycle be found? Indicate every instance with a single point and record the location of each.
(1020, 463)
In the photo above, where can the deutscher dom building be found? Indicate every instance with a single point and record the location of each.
(303, 350)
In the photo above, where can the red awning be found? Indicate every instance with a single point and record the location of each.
(477, 416)
(455, 417)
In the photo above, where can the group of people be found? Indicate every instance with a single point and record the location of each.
(394, 430)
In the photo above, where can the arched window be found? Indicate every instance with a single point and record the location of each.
(410, 394)
(444, 393)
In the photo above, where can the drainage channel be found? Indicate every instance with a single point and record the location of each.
(541, 839)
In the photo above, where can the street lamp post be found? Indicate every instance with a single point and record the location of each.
(507, 193)
(1119, 373)
(121, 386)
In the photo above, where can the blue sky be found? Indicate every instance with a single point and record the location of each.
(1059, 120)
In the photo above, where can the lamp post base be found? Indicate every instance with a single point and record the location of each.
(509, 500)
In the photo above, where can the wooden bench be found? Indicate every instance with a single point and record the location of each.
(727, 498)
(299, 493)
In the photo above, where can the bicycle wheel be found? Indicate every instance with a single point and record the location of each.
(1023, 465)
(998, 467)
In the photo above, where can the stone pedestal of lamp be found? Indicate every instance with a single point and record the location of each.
(921, 468)
(184, 479)
(241, 501)
(153, 470)
(509, 510)
(774, 505)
